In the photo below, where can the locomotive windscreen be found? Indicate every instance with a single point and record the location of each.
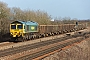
(13, 26)
(19, 26)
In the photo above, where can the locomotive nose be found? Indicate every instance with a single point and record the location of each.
(15, 34)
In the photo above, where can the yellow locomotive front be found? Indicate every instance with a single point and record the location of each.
(16, 29)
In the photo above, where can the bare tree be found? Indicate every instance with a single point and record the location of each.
(4, 14)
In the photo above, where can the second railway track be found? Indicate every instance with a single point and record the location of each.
(16, 50)
(40, 54)
(46, 51)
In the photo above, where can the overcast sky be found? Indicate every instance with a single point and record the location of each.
(79, 9)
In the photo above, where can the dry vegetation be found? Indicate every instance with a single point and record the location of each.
(77, 52)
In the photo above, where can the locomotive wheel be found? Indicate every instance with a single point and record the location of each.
(46, 35)
(59, 32)
(29, 37)
(52, 34)
(43, 35)
(39, 36)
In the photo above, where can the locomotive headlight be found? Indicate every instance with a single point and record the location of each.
(20, 33)
(11, 33)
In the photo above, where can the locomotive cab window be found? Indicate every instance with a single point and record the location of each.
(24, 27)
(13, 26)
(19, 26)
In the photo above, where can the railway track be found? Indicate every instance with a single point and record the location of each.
(16, 50)
(46, 51)
(28, 47)
(4, 43)
(39, 55)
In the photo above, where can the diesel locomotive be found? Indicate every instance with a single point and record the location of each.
(26, 30)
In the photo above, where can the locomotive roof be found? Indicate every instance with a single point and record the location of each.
(26, 22)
